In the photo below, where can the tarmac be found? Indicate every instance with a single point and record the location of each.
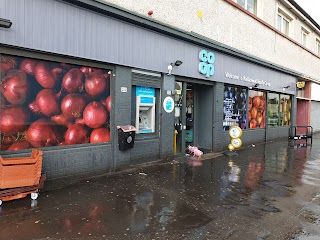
(268, 191)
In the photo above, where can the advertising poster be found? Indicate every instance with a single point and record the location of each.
(46, 104)
(256, 109)
(234, 107)
(285, 110)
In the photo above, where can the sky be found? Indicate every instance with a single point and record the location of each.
(312, 7)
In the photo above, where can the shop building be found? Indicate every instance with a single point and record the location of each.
(177, 89)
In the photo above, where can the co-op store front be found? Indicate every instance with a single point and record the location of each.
(124, 80)
(236, 93)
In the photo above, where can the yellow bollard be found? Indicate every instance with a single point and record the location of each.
(175, 141)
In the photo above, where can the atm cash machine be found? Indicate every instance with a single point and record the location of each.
(145, 110)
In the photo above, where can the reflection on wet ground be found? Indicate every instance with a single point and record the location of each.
(269, 191)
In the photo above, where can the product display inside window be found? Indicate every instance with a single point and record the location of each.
(46, 103)
(273, 109)
(234, 107)
(256, 109)
(285, 109)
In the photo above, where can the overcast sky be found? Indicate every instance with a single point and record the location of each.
(312, 7)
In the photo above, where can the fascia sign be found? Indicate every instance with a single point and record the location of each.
(247, 79)
(206, 65)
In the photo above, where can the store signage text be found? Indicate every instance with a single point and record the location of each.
(247, 79)
(206, 65)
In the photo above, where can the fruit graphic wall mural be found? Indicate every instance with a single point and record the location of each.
(45, 103)
(256, 109)
(234, 107)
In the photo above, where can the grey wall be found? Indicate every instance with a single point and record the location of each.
(218, 141)
(144, 150)
(277, 132)
(61, 162)
(203, 118)
(53, 26)
(121, 102)
(315, 116)
(167, 121)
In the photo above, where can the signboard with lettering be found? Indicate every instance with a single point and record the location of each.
(206, 65)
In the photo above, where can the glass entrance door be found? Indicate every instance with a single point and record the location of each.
(184, 114)
(179, 101)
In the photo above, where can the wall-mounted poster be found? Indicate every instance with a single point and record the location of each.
(234, 107)
(256, 109)
(45, 103)
(285, 110)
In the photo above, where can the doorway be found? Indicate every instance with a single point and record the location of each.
(193, 116)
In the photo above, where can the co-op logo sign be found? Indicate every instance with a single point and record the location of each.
(206, 65)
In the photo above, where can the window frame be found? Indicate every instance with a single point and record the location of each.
(246, 4)
(283, 19)
(318, 47)
(304, 37)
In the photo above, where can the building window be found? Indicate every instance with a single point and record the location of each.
(285, 110)
(273, 109)
(304, 36)
(318, 47)
(250, 5)
(256, 109)
(56, 104)
(234, 107)
(283, 24)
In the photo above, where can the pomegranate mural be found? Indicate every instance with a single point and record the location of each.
(46, 103)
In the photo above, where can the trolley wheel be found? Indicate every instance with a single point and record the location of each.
(0, 202)
(34, 196)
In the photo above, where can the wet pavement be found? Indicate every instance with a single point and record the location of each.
(268, 191)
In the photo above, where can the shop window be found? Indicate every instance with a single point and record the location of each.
(250, 5)
(47, 103)
(273, 109)
(143, 113)
(256, 109)
(234, 107)
(285, 110)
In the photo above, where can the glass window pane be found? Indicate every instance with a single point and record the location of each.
(241, 3)
(303, 38)
(252, 6)
(285, 27)
(273, 109)
(234, 107)
(279, 22)
(256, 109)
(285, 110)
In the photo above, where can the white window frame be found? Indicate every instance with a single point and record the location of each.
(304, 37)
(318, 47)
(246, 6)
(281, 27)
